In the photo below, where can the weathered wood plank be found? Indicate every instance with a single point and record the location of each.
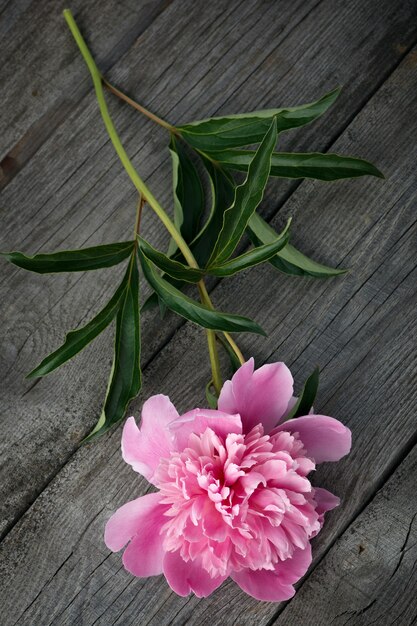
(70, 202)
(76, 579)
(65, 199)
(38, 65)
(368, 577)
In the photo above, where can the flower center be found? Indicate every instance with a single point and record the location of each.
(238, 500)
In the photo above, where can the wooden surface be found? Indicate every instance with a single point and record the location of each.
(62, 187)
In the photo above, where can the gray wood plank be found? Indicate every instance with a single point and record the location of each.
(38, 65)
(369, 319)
(70, 203)
(55, 202)
(368, 577)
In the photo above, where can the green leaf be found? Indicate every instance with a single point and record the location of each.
(248, 196)
(297, 165)
(289, 260)
(78, 339)
(188, 194)
(198, 313)
(210, 396)
(223, 193)
(73, 260)
(170, 266)
(153, 302)
(220, 133)
(150, 303)
(253, 257)
(125, 379)
(307, 396)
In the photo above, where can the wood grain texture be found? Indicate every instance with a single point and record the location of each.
(73, 183)
(369, 576)
(360, 329)
(38, 65)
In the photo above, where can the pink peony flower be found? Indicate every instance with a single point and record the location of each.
(234, 498)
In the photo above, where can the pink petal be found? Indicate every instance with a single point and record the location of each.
(186, 577)
(198, 420)
(326, 501)
(277, 585)
(139, 521)
(291, 570)
(325, 438)
(260, 396)
(276, 472)
(143, 448)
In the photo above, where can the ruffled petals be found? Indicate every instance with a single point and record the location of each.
(198, 420)
(276, 585)
(186, 577)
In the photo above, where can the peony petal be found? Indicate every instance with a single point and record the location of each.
(198, 420)
(186, 577)
(260, 396)
(275, 472)
(263, 584)
(143, 448)
(277, 585)
(326, 501)
(139, 521)
(291, 570)
(325, 438)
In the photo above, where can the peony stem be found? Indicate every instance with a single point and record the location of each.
(211, 340)
(214, 360)
(145, 193)
(234, 347)
(172, 129)
(127, 164)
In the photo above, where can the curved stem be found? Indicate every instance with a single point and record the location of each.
(211, 340)
(214, 360)
(127, 164)
(145, 193)
(234, 347)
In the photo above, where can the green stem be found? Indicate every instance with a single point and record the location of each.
(145, 193)
(211, 340)
(205, 299)
(234, 347)
(214, 360)
(127, 164)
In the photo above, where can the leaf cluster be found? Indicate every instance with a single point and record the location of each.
(210, 151)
